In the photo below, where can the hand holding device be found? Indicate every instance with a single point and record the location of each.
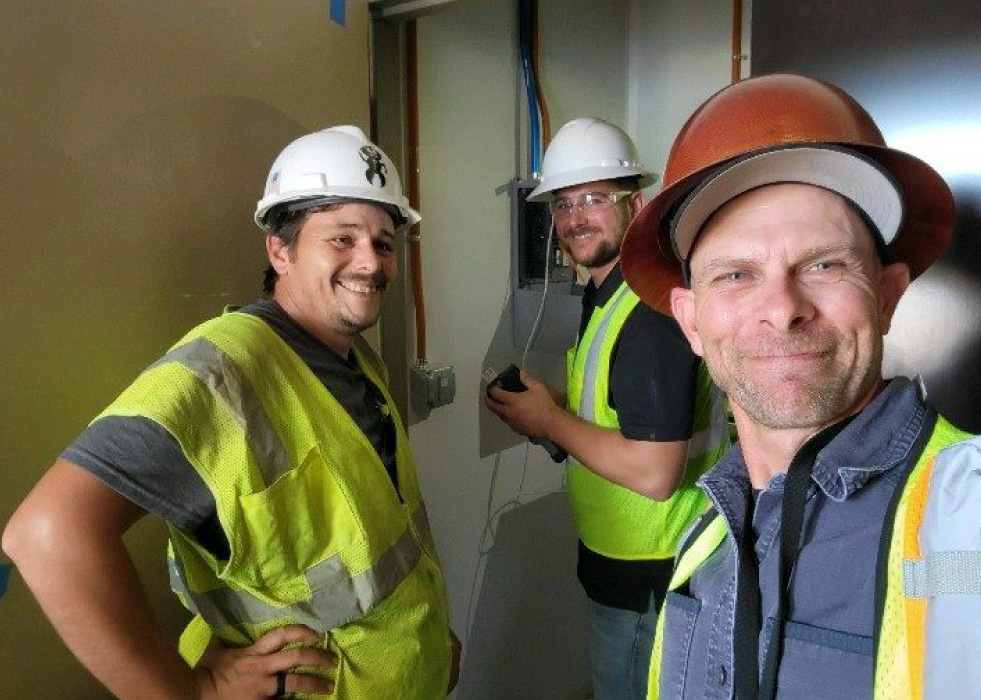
(510, 380)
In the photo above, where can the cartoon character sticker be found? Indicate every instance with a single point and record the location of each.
(371, 156)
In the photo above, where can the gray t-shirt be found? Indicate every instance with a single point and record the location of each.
(144, 463)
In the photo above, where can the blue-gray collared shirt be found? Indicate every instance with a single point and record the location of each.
(827, 651)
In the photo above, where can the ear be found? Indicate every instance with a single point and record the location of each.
(278, 254)
(683, 309)
(893, 281)
(636, 203)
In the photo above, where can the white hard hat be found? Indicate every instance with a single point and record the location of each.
(339, 162)
(586, 150)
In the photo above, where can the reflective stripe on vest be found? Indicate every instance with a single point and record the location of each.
(932, 585)
(224, 379)
(611, 519)
(338, 597)
(317, 532)
(591, 383)
(899, 663)
(691, 558)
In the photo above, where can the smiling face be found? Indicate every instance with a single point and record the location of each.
(788, 306)
(592, 237)
(332, 279)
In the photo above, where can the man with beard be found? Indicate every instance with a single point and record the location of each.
(842, 556)
(267, 440)
(641, 421)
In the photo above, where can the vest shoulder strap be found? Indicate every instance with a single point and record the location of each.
(704, 536)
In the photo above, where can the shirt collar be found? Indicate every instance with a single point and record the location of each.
(598, 296)
(878, 439)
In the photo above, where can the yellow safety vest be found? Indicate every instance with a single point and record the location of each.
(316, 530)
(613, 520)
(900, 653)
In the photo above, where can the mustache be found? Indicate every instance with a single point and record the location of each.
(801, 343)
(378, 279)
(576, 230)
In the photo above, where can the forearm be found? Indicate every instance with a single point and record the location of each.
(651, 469)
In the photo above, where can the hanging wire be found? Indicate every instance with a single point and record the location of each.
(546, 133)
(531, 99)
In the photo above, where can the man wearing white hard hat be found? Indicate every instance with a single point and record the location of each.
(268, 441)
(641, 419)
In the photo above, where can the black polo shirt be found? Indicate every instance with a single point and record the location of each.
(653, 378)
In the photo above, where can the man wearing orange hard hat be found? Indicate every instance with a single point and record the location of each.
(842, 555)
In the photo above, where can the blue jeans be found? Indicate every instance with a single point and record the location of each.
(620, 651)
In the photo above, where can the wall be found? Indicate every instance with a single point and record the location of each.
(913, 66)
(517, 587)
(468, 115)
(679, 56)
(136, 138)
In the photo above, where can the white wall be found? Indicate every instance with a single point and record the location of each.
(639, 64)
(679, 56)
(468, 118)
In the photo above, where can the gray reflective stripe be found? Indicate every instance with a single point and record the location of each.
(337, 597)
(952, 636)
(226, 381)
(587, 404)
(421, 522)
(216, 615)
(943, 573)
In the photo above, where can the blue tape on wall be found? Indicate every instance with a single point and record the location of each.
(337, 11)
(4, 578)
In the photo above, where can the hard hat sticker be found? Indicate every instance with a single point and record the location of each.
(376, 168)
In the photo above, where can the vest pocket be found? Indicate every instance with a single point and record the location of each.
(824, 664)
(297, 522)
(680, 613)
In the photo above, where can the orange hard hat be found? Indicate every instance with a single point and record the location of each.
(783, 128)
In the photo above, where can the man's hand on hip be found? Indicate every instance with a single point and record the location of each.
(267, 668)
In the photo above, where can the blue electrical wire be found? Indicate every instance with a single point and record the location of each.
(534, 130)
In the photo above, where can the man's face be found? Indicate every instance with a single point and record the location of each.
(788, 305)
(333, 279)
(592, 237)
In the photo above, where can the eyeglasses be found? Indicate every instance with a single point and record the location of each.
(588, 202)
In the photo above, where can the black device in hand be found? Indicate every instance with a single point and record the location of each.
(510, 380)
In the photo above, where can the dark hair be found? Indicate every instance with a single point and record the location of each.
(631, 183)
(285, 224)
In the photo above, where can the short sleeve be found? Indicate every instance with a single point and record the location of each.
(653, 378)
(143, 462)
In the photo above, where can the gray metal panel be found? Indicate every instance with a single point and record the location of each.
(528, 638)
(559, 323)
(914, 66)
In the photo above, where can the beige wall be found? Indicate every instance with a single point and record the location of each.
(136, 137)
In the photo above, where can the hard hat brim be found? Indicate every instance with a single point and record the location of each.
(652, 264)
(858, 179)
(543, 192)
(411, 216)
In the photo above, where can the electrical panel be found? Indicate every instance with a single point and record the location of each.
(533, 223)
(530, 228)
